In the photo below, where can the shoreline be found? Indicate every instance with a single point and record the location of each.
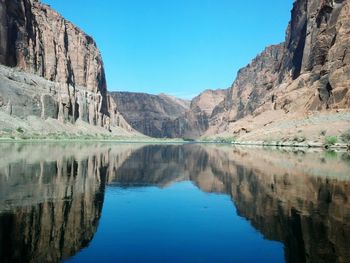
(269, 144)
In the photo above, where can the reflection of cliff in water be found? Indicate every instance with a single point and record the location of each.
(51, 199)
(51, 196)
(161, 166)
(302, 200)
(298, 198)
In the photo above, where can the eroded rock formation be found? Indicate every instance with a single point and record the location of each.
(148, 113)
(195, 121)
(37, 40)
(308, 72)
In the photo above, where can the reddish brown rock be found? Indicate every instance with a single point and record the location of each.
(150, 114)
(39, 41)
(310, 71)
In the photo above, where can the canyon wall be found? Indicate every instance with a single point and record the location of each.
(309, 72)
(195, 121)
(148, 113)
(166, 116)
(37, 40)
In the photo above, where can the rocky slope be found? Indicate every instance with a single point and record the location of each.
(296, 88)
(148, 113)
(166, 116)
(38, 41)
(309, 72)
(195, 121)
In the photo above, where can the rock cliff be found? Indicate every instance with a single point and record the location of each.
(195, 121)
(166, 116)
(36, 40)
(298, 86)
(148, 113)
(309, 72)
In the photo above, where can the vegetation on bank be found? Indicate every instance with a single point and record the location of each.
(19, 134)
(330, 141)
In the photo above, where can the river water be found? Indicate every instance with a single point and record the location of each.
(100, 202)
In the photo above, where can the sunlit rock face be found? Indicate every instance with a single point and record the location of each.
(252, 86)
(166, 116)
(37, 40)
(317, 44)
(310, 71)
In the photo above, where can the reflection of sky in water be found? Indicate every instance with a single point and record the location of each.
(176, 224)
(172, 203)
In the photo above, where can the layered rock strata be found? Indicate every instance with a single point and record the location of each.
(35, 39)
(148, 113)
(309, 72)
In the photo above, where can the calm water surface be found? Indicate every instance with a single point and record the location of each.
(172, 203)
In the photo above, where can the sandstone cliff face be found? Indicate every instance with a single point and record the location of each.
(148, 113)
(308, 72)
(37, 40)
(195, 121)
(253, 84)
(317, 43)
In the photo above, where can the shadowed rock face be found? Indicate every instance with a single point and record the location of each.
(317, 43)
(195, 121)
(148, 113)
(38, 41)
(165, 116)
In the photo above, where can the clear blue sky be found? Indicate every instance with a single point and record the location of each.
(180, 47)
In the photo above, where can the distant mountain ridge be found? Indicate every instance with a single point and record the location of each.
(148, 113)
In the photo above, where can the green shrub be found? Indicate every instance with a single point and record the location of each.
(20, 130)
(330, 140)
(225, 139)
